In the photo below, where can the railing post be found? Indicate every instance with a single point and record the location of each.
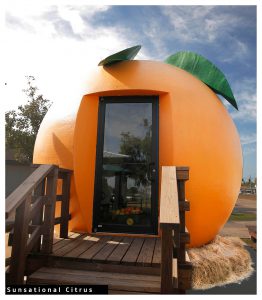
(65, 205)
(166, 259)
(181, 198)
(49, 214)
(18, 255)
(38, 219)
(184, 267)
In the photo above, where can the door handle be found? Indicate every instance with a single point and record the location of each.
(152, 171)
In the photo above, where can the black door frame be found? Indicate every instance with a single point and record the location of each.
(114, 228)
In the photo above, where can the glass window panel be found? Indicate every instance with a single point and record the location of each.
(126, 188)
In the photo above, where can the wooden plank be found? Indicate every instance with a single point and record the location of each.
(69, 246)
(184, 276)
(33, 238)
(98, 274)
(184, 205)
(59, 197)
(17, 264)
(116, 256)
(156, 261)
(169, 209)
(37, 206)
(64, 242)
(57, 239)
(88, 254)
(182, 173)
(85, 244)
(7, 261)
(181, 198)
(175, 273)
(115, 281)
(176, 236)
(49, 216)
(133, 252)
(37, 216)
(146, 253)
(108, 249)
(65, 205)
(62, 171)
(33, 265)
(181, 255)
(9, 225)
(24, 189)
(60, 220)
(82, 264)
(57, 220)
(65, 279)
(184, 237)
(181, 190)
(166, 259)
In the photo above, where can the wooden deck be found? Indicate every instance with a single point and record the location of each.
(132, 251)
(125, 264)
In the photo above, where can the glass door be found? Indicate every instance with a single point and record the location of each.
(126, 185)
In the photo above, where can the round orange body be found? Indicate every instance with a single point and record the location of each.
(195, 130)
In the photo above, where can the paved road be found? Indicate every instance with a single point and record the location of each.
(245, 204)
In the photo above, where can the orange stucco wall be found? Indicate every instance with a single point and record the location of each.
(195, 130)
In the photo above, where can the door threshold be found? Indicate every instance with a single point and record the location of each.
(126, 234)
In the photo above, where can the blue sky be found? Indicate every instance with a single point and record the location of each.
(49, 41)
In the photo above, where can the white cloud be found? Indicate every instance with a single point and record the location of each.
(206, 25)
(56, 46)
(191, 25)
(245, 94)
(247, 139)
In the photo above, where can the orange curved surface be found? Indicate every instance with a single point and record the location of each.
(195, 130)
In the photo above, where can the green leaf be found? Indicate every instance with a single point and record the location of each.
(127, 54)
(204, 70)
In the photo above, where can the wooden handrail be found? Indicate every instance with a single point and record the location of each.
(25, 189)
(33, 206)
(169, 209)
(175, 270)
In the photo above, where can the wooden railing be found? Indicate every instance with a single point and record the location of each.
(30, 216)
(176, 270)
(64, 198)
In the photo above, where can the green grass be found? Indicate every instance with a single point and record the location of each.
(242, 217)
(247, 241)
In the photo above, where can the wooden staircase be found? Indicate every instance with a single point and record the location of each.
(127, 265)
(117, 282)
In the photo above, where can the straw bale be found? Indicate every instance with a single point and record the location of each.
(222, 261)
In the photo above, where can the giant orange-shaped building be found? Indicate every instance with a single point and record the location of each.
(129, 119)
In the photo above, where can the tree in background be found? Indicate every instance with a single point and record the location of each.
(139, 151)
(21, 126)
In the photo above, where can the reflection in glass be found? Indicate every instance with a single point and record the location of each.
(126, 186)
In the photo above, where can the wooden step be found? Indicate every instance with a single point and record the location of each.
(115, 281)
